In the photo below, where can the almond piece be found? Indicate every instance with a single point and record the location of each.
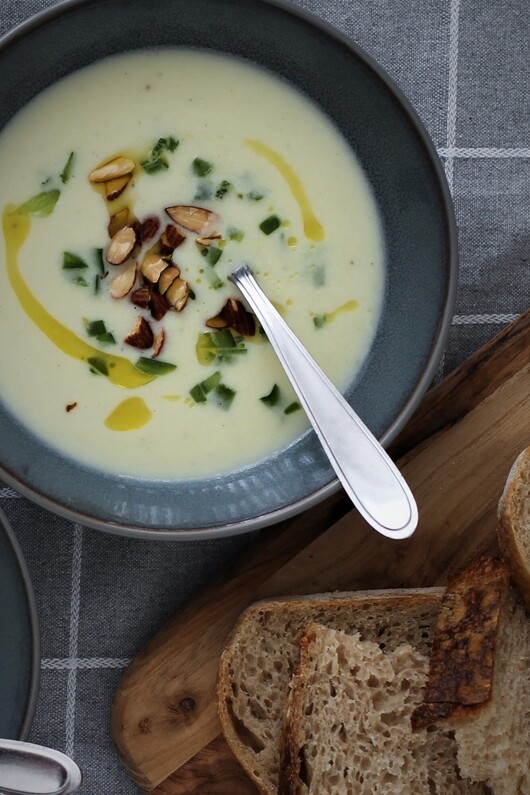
(147, 229)
(152, 266)
(196, 219)
(121, 246)
(141, 336)
(124, 281)
(170, 239)
(115, 187)
(141, 297)
(207, 241)
(234, 315)
(158, 304)
(167, 278)
(158, 343)
(118, 221)
(115, 168)
(177, 294)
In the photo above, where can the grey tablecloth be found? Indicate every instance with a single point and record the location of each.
(464, 65)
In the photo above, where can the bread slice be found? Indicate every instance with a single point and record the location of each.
(479, 678)
(514, 523)
(262, 654)
(348, 723)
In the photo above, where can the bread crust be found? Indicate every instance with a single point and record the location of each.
(461, 667)
(511, 528)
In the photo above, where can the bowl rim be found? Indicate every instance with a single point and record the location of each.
(411, 404)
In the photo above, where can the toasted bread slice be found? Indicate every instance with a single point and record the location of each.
(514, 523)
(262, 654)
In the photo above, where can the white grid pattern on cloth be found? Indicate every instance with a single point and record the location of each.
(71, 686)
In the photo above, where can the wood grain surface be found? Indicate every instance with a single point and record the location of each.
(455, 454)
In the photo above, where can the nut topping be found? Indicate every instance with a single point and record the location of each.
(115, 187)
(118, 221)
(121, 246)
(118, 167)
(152, 266)
(141, 297)
(158, 305)
(234, 315)
(170, 239)
(147, 229)
(167, 278)
(124, 281)
(158, 343)
(196, 219)
(207, 241)
(177, 294)
(141, 336)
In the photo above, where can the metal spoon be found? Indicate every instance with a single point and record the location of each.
(369, 476)
(27, 769)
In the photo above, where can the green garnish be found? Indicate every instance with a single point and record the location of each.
(66, 173)
(212, 254)
(202, 167)
(270, 224)
(255, 196)
(204, 191)
(214, 279)
(319, 320)
(224, 396)
(169, 144)
(96, 327)
(73, 261)
(100, 262)
(154, 366)
(154, 164)
(223, 188)
(156, 161)
(191, 294)
(318, 273)
(107, 338)
(97, 279)
(98, 365)
(81, 281)
(235, 234)
(273, 397)
(40, 205)
(200, 391)
(220, 345)
(292, 407)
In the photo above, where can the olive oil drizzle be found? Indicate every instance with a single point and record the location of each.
(129, 415)
(121, 371)
(313, 230)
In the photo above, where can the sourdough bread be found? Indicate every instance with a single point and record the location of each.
(262, 653)
(348, 723)
(514, 523)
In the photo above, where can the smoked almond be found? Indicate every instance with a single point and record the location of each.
(141, 336)
(196, 219)
(115, 168)
(121, 246)
(123, 283)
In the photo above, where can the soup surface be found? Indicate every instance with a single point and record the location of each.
(135, 367)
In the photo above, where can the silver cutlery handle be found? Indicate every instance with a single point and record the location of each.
(368, 475)
(27, 769)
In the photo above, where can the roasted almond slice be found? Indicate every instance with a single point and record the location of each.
(170, 239)
(234, 315)
(118, 167)
(141, 297)
(152, 266)
(115, 187)
(158, 304)
(207, 241)
(118, 221)
(121, 246)
(124, 281)
(196, 219)
(141, 336)
(147, 229)
(167, 278)
(177, 294)
(158, 343)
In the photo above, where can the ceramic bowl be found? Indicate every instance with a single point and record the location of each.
(415, 206)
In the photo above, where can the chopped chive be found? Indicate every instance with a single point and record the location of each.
(224, 396)
(107, 338)
(319, 321)
(96, 327)
(96, 283)
(73, 261)
(202, 167)
(98, 365)
(223, 188)
(214, 255)
(170, 144)
(154, 366)
(255, 196)
(273, 397)
(270, 224)
(156, 161)
(292, 407)
(191, 294)
(100, 262)
(66, 173)
(154, 164)
(81, 281)
(40, 205)
(235, 234)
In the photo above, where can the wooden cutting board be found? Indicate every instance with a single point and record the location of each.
(455, 453)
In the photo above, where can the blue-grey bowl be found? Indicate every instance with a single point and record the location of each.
(420, 236)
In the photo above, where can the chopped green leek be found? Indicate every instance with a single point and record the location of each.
(100, 262)
(41, 204)
(98, 365)
(73, 261)
(292, 407)
(273, 397)
(81, 281)
(200, 391)
(154, 366)
(235, 234)
(66, 173)
(107, 338)
(270, 224)
(220, 345)
(319, 320)
(96, 327)
(223, 188)
(224, 396)
(97, 280)
(202, 167)
(214, 279)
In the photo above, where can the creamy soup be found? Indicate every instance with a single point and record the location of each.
(130, 190)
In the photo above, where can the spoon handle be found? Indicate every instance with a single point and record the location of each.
(27, 769)
(369, 476)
